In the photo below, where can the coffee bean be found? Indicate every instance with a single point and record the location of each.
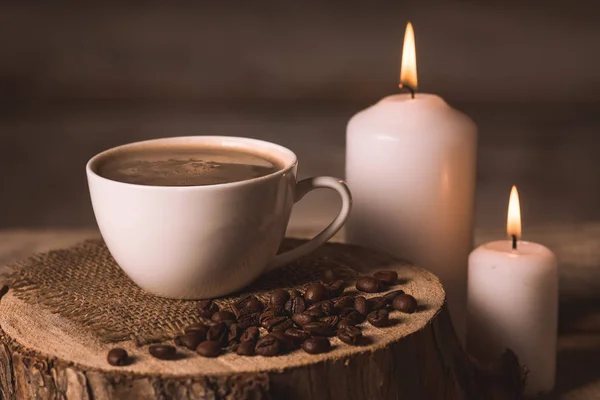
(343, 302)
(295, 305)
(389, 297)
(332, 321)
(296, 293)
(247, 305)
(223, 316)
(350, 335)
(369, 284)
(315, 312)
(247, 320)
(197, 327)
(246, 348)
(315, 293)
(354, 316)
(209, 349)
(328, 275)
(298, 335)
(218, 333)
(251, 334)
(336, 288)
(345, 322)
(277, 323)
(379, 318)
(162, 351)
(279, 297)
(118, 357)
(234, 333)
(271, 312)
(326, 307)
(207, 308)
(362, 305)
(192, 340)
(405, 303)
(302, 319)
(287, 343)
(378, 302)
(268, 346)
(319, 328)
(387, 277)
(316, 345)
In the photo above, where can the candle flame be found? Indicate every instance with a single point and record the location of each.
(513, 221)
(408, 68)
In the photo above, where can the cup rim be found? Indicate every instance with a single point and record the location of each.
(288, 158)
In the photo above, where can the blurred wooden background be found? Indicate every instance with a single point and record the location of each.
(78, 78)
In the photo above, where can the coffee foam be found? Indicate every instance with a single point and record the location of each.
(184, 165)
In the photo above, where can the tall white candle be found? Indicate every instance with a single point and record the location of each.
(410, 163)
(513, 304)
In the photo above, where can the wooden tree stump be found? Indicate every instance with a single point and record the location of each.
(45, 355)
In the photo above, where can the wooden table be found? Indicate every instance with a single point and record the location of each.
(578, 249)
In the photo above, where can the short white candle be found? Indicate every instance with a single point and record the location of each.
(513, 303)
(410, 163)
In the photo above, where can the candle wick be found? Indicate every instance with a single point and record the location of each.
(409, 88)
(514, 242)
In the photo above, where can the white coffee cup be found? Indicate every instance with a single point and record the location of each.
(194, 242)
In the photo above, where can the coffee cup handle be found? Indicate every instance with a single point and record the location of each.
(302, 188)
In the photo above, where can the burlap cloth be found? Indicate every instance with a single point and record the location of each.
(85, 285)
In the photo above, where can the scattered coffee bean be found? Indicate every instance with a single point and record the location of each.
(209, 349)
(362, 305)
(279, 297)
(389, 297)
(271, 312)
(350, 335)
(287, 343)
(218, 333)
(387, 277)
(302, 319)
(405, 303)
(315, 312)
(162, 351)
(331, 320)
(234, 333)
(298, 335)
(207, 308)
(247, 305)
(268, 346)
(277, 324)
(246, 348)
(379, 318)
(378, 302)
(251, 334)
(336, 288)
(316, 345)
(315, 293)
(223, 316)
(326, 307)
(296, 293)
(319, 328)
(345, 322)
(192, 340)
(118, 357)
(197, 327)
(369, 284)
(343, 302)
(247, 320)
(351, 314)
(295, 305)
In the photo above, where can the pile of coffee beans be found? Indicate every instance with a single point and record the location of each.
(290, 320)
